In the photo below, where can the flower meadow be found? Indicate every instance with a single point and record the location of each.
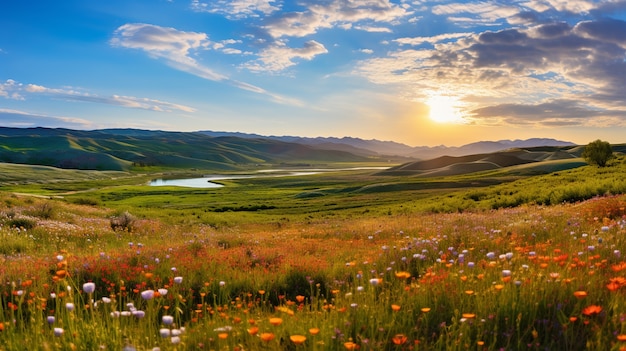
(524, 278)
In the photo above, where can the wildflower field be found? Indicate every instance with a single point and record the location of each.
(529, 277)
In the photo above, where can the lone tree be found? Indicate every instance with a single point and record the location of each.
(598, 153)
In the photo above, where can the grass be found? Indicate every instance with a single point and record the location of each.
(365, 263)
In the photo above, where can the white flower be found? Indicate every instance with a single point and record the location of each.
(167, 320)
(175, 340)
(106, 299)
(147, 294)
(222, 283)
(162, 292)
(69, 306)
(139, 314)
(58, 331)
(164, 332)
(178, 280)
(89, 288)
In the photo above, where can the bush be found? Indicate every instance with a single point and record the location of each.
(124, 221)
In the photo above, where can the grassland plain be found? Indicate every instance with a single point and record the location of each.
(340, 261)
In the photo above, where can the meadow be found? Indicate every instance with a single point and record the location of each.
(341, 261)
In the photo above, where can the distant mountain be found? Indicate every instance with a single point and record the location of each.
(391, 148)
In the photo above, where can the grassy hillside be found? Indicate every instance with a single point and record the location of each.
(140, 150)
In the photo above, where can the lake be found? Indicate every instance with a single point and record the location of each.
(209, 181)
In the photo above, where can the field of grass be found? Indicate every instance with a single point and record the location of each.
(338, 261)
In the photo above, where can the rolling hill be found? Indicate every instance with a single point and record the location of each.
(528, 161)
(123, 149)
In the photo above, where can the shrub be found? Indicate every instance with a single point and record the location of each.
(44, 211)
(124, 221)
(22, 222)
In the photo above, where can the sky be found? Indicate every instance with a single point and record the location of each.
(422, 73)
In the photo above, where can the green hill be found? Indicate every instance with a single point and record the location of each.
(125, 149)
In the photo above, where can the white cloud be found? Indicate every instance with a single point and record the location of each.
(334, 13)
(175, 47)
(21, 119)
(433, 39)
(13, 88)
(279, 57)
(372, 29)
(236, 9)
(485, 12)
(172, 45)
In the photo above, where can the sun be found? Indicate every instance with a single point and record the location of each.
(445, 109)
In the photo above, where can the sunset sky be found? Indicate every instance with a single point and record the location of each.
(422, 73)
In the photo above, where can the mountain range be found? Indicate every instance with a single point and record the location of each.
(124, 149)
(390, 148)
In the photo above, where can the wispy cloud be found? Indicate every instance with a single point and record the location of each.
(21, 119)
(316, 16)
(176, 49)
(279, 56)
(15, 90)
(236, 9)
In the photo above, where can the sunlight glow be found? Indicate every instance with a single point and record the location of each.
(445, 109)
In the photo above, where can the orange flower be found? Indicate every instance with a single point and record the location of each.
(399, 339)
(580, 294)
(314, 331)
(469, 292)
(267, 337)
(297, 339)
(498, 286)
(425, 309)
(222, 335)
(300, 298)
(350, 345)
(592, 310)
(275, 321)
(403, 275)
(621, 337)
(253, 331)
(395, 308)
(261, 292)
(469, 315)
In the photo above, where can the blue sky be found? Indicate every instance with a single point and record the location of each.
(417, 72)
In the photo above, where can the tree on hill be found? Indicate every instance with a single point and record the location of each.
(598, 153)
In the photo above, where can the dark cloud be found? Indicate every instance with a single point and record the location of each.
(555, 112)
